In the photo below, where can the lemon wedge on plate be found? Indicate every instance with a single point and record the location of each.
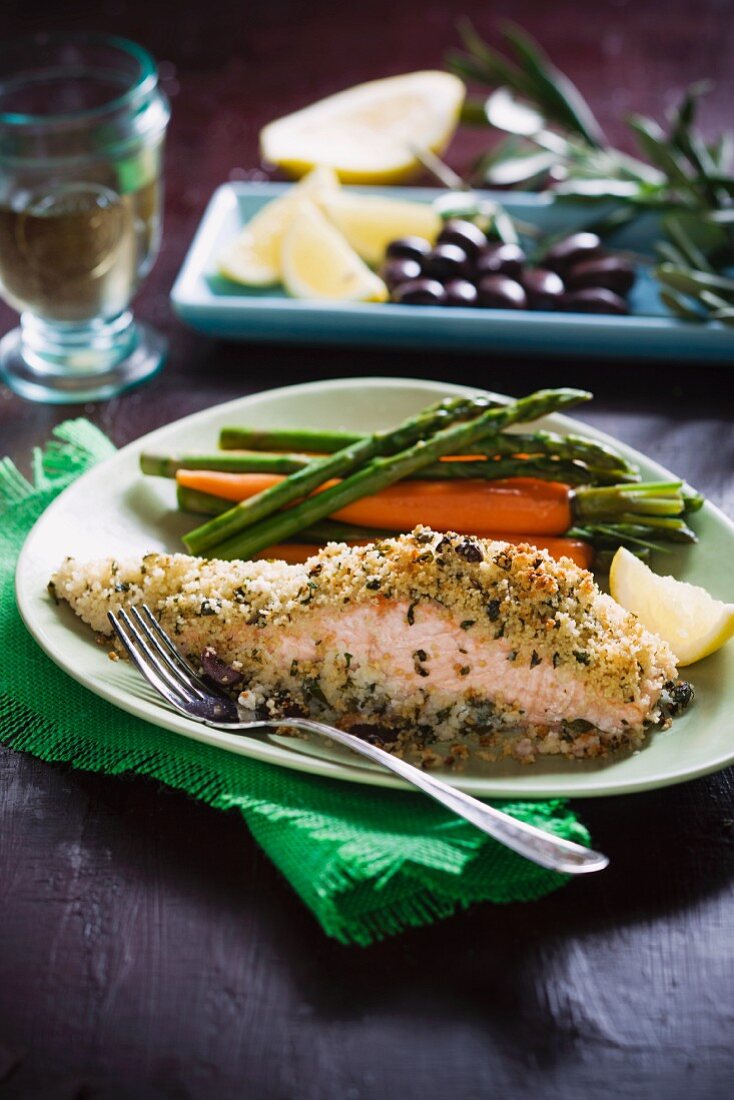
(318, 262)
(369, 222)
(253, 257)
(369, 133)
(686, 616)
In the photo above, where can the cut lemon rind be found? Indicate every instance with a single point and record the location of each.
(369, 222)
(369, 133)
(253, 258)
(319, 263)
(686, 616)
(243, 262)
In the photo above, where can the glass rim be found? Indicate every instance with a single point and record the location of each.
(145, 82)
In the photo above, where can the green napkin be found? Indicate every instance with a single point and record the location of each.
(368, 862)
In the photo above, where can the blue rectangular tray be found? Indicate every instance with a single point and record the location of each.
(220, 308)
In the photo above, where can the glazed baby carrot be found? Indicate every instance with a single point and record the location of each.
(514, 505)
(517, 505)
(228, 486)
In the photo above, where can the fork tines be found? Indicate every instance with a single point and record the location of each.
(154, 654)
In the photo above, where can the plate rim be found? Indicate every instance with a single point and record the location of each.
(158, 715)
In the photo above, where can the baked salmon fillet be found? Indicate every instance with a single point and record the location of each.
(415, 639)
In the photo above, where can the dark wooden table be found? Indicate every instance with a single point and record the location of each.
(147, 948)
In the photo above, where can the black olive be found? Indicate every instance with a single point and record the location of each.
(460, 292)
(408, 248)
(217, 670)
(543, 288)
(419, 292)
(500, 259)
(470, 550)
(593, 299)
(572, 250)
(500, 292)
(446, 261)
(376, 735)
(676, 696)
(613, 272)
(467, 235)
(400, 270)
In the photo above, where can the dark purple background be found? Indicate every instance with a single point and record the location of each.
(146, 946)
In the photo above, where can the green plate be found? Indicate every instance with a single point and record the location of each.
(113, 510)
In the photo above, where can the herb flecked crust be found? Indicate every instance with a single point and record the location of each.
(481, 628)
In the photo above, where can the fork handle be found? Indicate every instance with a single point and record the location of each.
(555, 853)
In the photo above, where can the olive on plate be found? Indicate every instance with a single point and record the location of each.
(408, 248)
(400, 269)
(544, 288)
(564, 254)
(500, 259)
(446, 261)
(419, 292)
(465, 234)
(613, 272)
(460, 292)
(593, 299)
(501, 292)
(464, 269)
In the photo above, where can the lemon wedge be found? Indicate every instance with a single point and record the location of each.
(690, 620)
(369, 133)
(369, 223)
(319, 263)
(253, 257)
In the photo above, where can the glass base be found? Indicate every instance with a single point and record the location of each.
(64, 366)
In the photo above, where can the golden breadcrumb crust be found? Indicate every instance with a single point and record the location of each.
(547, 609)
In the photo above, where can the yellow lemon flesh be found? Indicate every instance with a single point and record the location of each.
(690, 620)
(319, 263)
(370, 223)
(253, 257)
(369, 133)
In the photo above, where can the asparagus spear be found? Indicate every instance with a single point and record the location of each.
(226, 537)
(548, 468)
(315, 440)
(570, 447)
(252, 462)
(193, 500)
(572, 471)
(651, 498)
(280, 440)
(545, 467)
(633, 534)
(286, 439)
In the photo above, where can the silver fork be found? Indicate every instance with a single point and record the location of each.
(157, 658)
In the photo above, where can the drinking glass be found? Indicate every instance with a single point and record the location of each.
(82, 126)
